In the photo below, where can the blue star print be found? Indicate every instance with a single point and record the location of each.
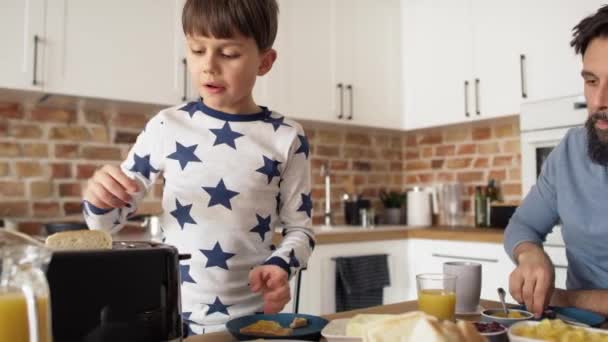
(184, 154)
(306, 205)
(304, 147)
(218, 306)
(220, 195)
(217, 257)
(276, 122)
(263, 226)
(293, 261)
(225, 135)
(270, 168)
(184, 270)
(191, 108)
(142, 165)
(182, 214)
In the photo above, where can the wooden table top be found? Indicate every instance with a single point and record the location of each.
(397, 308)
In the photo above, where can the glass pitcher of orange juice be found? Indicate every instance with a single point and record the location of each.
(24, 291)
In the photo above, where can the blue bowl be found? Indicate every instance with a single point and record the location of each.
(311, 332)
(488, 316)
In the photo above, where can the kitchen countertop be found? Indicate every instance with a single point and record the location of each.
(349, 234)
(346, 234)
(383, 309)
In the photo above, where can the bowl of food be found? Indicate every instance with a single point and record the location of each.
(498, 315)
(492, 331)
(553, 330)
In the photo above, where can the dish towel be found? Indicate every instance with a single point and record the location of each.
(360, 281)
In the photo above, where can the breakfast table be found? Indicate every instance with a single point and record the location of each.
(396, 308)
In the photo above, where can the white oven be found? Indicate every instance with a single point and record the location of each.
(543, 124)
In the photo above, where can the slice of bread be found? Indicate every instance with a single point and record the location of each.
(416, 326)
(80, 239)
(357, 325)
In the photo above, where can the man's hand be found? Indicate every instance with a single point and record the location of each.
(272, 281)
(109, 188)
(533, 280)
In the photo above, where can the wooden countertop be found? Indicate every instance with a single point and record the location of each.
(383, 309)
(345, 234)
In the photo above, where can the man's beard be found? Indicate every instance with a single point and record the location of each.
(597, 139)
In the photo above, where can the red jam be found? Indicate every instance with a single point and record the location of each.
(492, 327)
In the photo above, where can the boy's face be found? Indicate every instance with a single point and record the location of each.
(224, 71)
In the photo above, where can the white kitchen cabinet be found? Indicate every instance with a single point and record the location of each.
(317, 296)
(115, 49)
(462, 61)
(550, 67)
(301, 82)
(344, 68)
(24, 43)
(496, 81)
(437, 50)
(368, 61)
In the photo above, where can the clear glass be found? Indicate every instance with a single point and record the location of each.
(451, 204)
(24, 290)
(437, 294)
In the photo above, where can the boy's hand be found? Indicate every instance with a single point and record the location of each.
(272, 281)
(109, 188)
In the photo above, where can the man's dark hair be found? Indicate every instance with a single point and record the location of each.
(221, 18)
(594, 26)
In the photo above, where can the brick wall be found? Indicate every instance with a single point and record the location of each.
(470, 153)
(47, 154)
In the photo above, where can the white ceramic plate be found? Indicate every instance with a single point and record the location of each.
(335, 331)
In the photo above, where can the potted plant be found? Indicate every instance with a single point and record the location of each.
(392, 201)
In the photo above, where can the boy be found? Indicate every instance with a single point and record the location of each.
(233, 172)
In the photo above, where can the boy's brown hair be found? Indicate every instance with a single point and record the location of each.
(255, 19)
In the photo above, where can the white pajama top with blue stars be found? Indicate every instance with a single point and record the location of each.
(230, 180)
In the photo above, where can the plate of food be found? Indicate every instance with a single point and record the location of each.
(281, 326)
(572, 315)
(553, 330)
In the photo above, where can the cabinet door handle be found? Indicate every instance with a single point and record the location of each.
(477, 109)
(341, 95)
(466, 99)
(36, 41)
(350, 99)
(185, 64)
(522, 74)
(447, 256)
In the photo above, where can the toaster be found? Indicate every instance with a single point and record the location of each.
(128, 293)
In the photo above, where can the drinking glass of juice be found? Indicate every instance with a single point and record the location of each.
(437, 294)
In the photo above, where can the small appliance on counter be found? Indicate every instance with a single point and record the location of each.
(421, 206)
(128, 293)
(353, 208)
(500, 214)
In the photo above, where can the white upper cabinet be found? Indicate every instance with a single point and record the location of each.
(300, 84)
(124, 50)
(437, 48)
(375, 59)
(497, 86)
(550, 67)
(23, 38)
(338, 61)
(462, 61)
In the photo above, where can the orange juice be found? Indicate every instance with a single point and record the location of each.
(439, 303)
(13, 318)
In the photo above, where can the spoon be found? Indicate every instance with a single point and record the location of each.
(501, 294)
